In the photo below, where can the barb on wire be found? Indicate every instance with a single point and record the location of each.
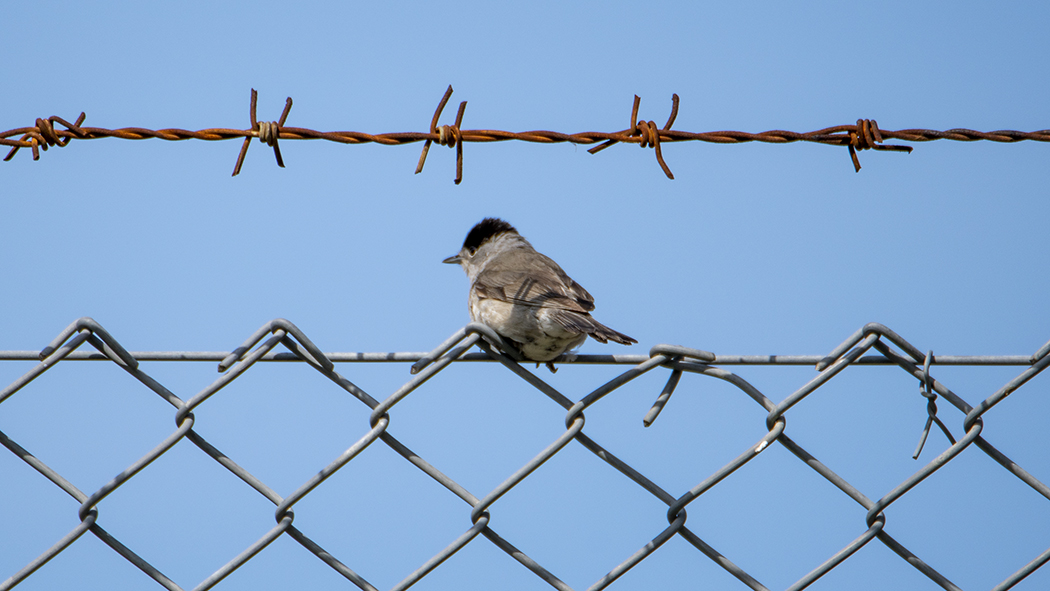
(647, 132)
(43, 134)
(447, 135)
(868, 137)
(865, 134)
(267, 132)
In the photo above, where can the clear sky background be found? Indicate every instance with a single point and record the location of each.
(753, 249)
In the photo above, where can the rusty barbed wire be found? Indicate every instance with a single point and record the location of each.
(865, 134)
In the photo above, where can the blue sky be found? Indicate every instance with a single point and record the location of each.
(753, 249)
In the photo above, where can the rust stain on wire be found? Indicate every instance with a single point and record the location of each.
(863, 135)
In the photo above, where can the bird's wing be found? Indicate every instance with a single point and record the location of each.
(544, 287)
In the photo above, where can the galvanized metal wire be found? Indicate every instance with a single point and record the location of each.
(873, 344)
(863, 135)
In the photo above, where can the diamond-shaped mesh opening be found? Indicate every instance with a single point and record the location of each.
(706, 424)
(90, 563)
(186, 495)
(874, 568)
(953, 513)
(46, 513)
(86, 420)
(578, 517)
(297, 422)
(865, 423)
(379, 509)
(776, 518)
(477, 423)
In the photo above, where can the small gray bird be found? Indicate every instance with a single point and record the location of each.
(525, 296)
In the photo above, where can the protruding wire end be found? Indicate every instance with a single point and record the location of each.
(433, 128)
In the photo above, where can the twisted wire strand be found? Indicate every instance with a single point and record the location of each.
(864, 134)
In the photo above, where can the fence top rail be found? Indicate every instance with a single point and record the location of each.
(584, 359)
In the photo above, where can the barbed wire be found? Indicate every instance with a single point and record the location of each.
(865, 134)
(892, 350)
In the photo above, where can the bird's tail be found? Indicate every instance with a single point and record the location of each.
(604, 334)
(585, 324)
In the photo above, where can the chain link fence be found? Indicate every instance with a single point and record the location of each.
(874, 345)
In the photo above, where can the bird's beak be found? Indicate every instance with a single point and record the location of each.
(452, 260)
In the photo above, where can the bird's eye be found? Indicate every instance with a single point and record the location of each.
(471, 251)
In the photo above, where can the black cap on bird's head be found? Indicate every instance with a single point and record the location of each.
(481, 233)
(485, 229)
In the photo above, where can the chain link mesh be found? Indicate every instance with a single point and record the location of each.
(280, 340)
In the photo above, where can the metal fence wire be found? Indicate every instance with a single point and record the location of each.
(280, 340)
(863, 135)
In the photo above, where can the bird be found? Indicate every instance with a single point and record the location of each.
(525, 297)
